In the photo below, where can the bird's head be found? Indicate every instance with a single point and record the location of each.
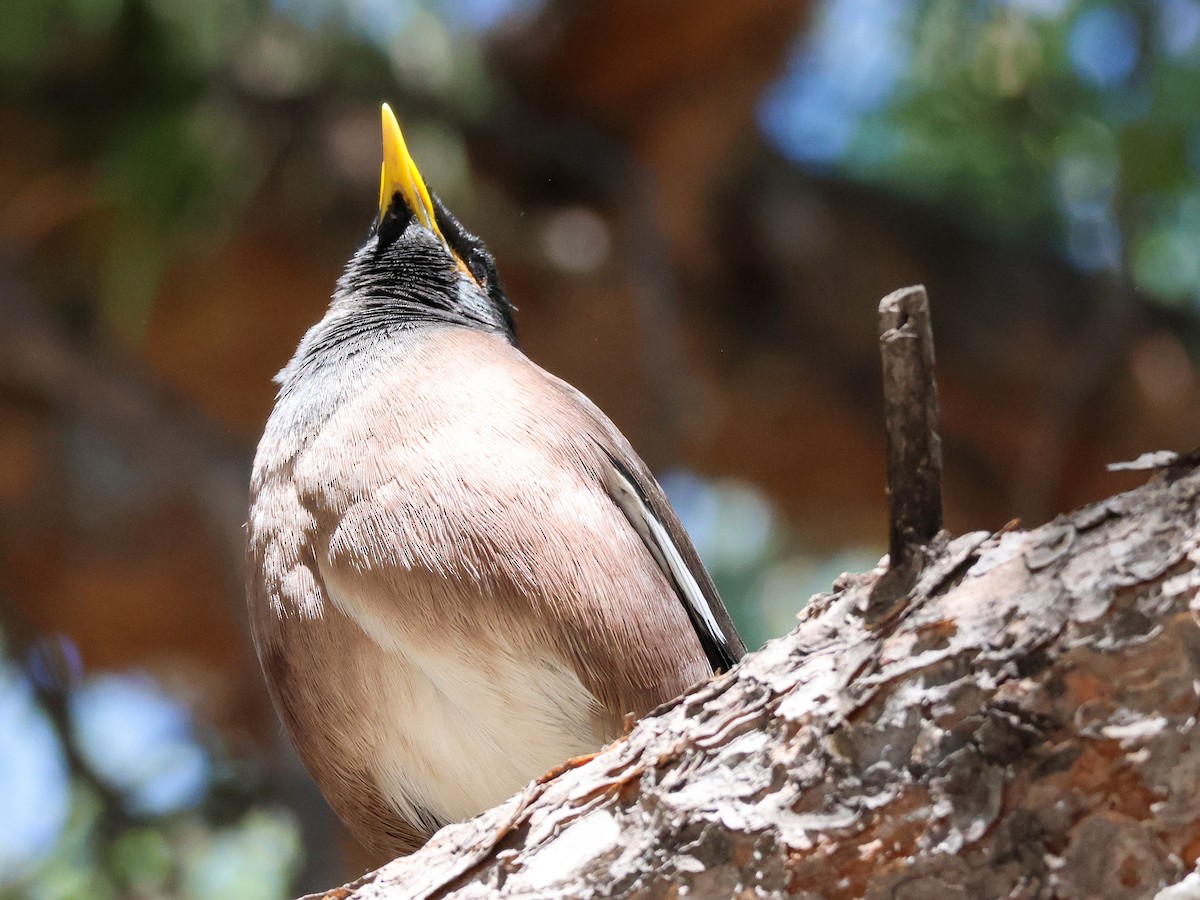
(419, 264)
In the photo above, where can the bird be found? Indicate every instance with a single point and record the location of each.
(459, 571)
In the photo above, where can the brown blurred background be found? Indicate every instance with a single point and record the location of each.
(696, 207)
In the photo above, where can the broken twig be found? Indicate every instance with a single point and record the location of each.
(910, 408)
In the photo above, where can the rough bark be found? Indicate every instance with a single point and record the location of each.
(1025, 725)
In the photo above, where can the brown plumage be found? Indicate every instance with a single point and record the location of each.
(459, 572)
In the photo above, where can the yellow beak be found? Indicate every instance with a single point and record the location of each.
(400, 176)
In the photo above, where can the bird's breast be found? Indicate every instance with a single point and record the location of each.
(457, 728)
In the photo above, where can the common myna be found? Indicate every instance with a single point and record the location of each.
(460, 574)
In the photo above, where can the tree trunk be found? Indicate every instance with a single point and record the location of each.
(1023, 724)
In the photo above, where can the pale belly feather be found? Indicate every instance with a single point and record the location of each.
(457, 729)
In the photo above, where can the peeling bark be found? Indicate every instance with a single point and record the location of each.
(1024, 725)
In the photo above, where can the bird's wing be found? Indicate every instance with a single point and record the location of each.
(640, 498)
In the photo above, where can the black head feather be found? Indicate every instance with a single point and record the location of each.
(404, 275)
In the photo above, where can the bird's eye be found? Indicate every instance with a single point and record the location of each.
(478, 268)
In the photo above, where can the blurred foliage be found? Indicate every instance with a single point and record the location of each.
(762, 570)
(111, 790)
(170, 114)
(1068, 120)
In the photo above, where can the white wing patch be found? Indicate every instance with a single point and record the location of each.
(627, 496)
